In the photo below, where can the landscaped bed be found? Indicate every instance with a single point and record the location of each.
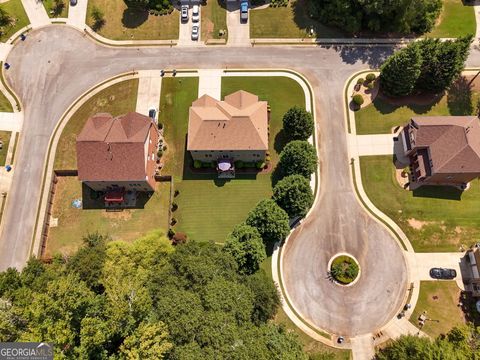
(440, 300)
(54, 11)
(5, 139)
(5, 105)
(457, 19)
(15, 9)
(434, 218)
(127, 225)
(208, 207)
(214, 19)
(117, 99)
(291, 21)
(344, 269)
(122, 23)
(385, 113)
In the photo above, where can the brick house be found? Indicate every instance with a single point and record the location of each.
(118, 155)
(230, 130)
(442, 150)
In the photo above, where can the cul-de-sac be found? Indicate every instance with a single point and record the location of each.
(240, 179)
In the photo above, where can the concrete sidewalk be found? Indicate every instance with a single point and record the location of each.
(381, 144)
(77, 14)
(210, 83)
(363, 347)
(36, 13)
(11, 121)
(149, 88)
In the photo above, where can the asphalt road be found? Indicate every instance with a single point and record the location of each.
(57, 64)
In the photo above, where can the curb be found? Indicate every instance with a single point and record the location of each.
(126, 43)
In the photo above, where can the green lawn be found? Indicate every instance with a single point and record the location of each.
(117, 99)
(5, 138)
(455, 20)
(5, 105)
(214, 19)
(440, 300)
(287, 22)
(209, 208)
(441, 218)
(381, 116)
(15, 9)
(53, 12)
(126, 225)
(122, 23)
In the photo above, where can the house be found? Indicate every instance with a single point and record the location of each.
(118, 155)
(442, 150)
(473, 260)
(235, 129)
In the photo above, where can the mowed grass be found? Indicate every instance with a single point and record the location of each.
(382, 115)
(122, 23)
(5, 105)
(5, 139)
(434, 218)
(53, 12)
(440, 301)
(291, 21)
(214, 19)
(456, 19)
(117, 99)
(15, 9)
(209, 208)
(126, 225)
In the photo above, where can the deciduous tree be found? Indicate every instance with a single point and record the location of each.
(298, 123)
(294, 195)
(298, 157)
(270, 220)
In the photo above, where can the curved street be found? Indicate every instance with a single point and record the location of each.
(56, 64)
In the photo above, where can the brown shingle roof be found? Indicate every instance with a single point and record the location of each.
(237, 123)
(453, 141)
(113, 149)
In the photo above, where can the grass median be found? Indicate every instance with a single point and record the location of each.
(15, 9)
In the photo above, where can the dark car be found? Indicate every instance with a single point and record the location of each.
(244, 11)
(442, 273)
(73, 2)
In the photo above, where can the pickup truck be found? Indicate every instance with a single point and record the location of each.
(244, 11)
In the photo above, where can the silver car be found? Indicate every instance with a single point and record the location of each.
(196, 13)
(195, 32)
(184, 13)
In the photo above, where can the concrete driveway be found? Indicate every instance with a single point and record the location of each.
(238, 32)
(185, 30)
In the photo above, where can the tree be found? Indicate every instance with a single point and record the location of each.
(294, 195)
(266, 297)
(148, 341)
(298, 157)
(246, 246)
(298, 123)
(5, 18)
(98, 18)
(399, 73)
(270, 220)
(443, 62)
(9, 281)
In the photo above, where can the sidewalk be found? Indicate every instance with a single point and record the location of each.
(11, 121)
(363, 347)
(210, 83)
(149, 87)
(381, 144)
(36, 13)
(77, 15)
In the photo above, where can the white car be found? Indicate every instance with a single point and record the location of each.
(195, 32)
(196, 13)
(184, 13)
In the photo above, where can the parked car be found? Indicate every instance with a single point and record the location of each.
(244, 11)
(153, 113)
(195, 13)
(73, 2)
(442, 273)
(195, 32)
(184, 13)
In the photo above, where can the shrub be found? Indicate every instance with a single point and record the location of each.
(159, 153)
(370, 77)
(298, 157)
(197, 164)
(206, 164)
(371, 85)
(298, 123)
(160, 125)
(164, 147)
(173, 221)
(176, 193)
(239, 164)
(174, 206)
(260, 164)
(360, 81)
(171, 233)
(357, 99)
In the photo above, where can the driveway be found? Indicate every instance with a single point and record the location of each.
(77, 14)
(238, 33)
(185, 31)
(149, 88)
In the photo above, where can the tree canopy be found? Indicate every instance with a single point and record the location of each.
(294, 195)
(298, 157)
(270, 220)
(404, 16)
(298, 123)
(145, 300)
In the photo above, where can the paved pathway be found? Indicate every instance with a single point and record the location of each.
(36, 13)
(149, 87)
(11, 121)
(363, 347)
(210, 83)
(375, 144)
(77, 14)
(238, 33)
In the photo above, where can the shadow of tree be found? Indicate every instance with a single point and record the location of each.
(134, 17)
(98, 25)
(459, 97)
(281, 139)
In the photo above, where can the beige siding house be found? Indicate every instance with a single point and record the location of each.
(230, 130)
